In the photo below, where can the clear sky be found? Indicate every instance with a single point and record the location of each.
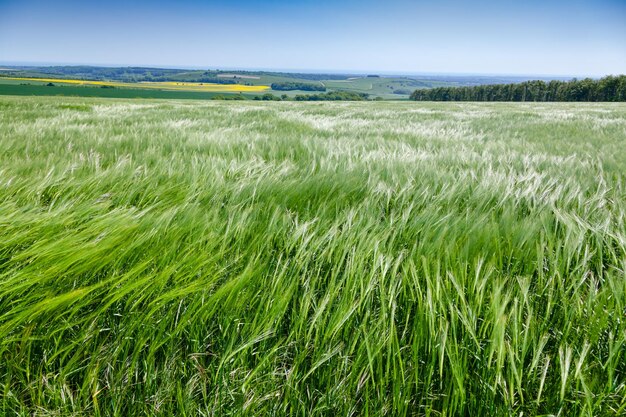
(559, 37)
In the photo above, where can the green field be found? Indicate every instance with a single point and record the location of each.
(387, 87)
(376, 87)
(202, 258)
(392, 88)
(40, 89)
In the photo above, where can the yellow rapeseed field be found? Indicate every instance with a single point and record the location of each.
(167, 85)
(175, 85)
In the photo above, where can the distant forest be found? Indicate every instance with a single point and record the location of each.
(611, 88)
(290, 86)
(328, 96)
(332, 96)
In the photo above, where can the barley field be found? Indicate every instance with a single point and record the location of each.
(187, 258)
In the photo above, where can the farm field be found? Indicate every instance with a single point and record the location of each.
(40, 89)
(206, 258)
(170, 89)
(165, 85)
(386, 87)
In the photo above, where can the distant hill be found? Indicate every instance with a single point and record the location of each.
(291, 84)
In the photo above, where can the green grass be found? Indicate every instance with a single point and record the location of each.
(311, 259)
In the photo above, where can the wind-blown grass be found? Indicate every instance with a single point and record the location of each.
(311, 259)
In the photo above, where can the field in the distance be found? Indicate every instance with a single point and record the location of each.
(142, 82)
(162, 85)
(387, 88)
(311, 259)
(170, 83)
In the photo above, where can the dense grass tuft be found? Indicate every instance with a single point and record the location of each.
(311, 259)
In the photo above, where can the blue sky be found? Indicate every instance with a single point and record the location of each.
(546, 37)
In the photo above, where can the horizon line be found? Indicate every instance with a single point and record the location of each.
(300, 70)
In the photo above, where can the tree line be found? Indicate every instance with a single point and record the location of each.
(610, 88)
(290, 86)
(332, 96)
(328, 96)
